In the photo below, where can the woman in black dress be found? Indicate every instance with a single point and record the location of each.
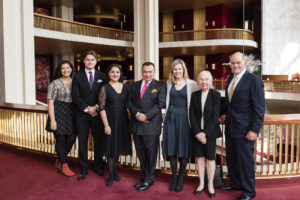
(60, 111)
(113, 111)
(176, 132)
(204, 116)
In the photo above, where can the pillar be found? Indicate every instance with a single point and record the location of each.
(146, 38)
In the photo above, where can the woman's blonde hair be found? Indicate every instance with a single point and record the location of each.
(185, 72)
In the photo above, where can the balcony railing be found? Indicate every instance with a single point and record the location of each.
(270, 85)
(62, 25)
(277, 151)
(206, 34)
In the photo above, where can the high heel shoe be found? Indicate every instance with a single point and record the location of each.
(211, 195)
(198, 192)
(110, 181)
(57, 164)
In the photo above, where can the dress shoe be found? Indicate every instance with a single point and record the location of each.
(110, 181)
(244, 197)
(65, 170)
(138, 184)
(144, 186)
(198, 192)
(100, 172)
(81, 177)
(212, 195)
(228, 188)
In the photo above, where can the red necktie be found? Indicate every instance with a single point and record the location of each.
(144, 89)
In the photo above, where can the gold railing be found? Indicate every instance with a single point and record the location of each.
(206, 34)
(277, 151)
(270, 85)
(67, 26)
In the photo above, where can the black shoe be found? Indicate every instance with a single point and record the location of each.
(173, 184)
(81, 177)
(138, 184)
(212, 195)
(244, 197)
(144, 186)
(116, 177)
(100, 172)
(110, 181)
(229, 188)
(198, 192)
(179, 185)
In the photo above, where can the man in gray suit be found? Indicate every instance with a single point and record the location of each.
(146, 99)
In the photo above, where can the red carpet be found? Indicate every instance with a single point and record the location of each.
(25, 175)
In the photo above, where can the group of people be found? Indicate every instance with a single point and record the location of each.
(91, 100)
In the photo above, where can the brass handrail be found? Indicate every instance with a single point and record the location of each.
(277, 151)
(206, 34)
(62, 25)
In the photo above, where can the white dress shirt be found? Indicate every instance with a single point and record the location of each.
(238, 78)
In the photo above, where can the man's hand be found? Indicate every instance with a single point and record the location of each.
(251, 136)
(141, 117)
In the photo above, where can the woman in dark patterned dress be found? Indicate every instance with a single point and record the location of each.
(60, 111)
(113, 110)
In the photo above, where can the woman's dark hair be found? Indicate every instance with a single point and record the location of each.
(119, 67)
(57, 73)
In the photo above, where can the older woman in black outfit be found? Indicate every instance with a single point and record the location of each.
(60, 110)
(204, 115)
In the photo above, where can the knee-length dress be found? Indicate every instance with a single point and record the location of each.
(115, 105)
(176, 132)
(60, 92)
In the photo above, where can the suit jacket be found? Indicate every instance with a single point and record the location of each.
(191, 87)
(246, 110)
(151, 105)
(211, 114)
(82, 95)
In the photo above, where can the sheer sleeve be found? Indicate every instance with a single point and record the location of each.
(102, 98)
(52, 91)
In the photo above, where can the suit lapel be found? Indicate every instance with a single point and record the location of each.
(240, 83)
(85, 79)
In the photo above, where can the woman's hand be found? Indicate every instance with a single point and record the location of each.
(201, 137)
(53, 126)
(107, 130)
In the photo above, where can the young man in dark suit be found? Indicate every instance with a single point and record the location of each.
(244, 108)
(146, 100)
(85, 88)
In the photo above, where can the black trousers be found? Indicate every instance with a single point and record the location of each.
(240, 163)
(146, 148)
(97, 130)
(63, 146)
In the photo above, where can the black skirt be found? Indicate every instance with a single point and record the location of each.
(64, 117)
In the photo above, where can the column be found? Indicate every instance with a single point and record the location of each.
(199, 24)
(64, 11)
(146, 38)
(17, 65)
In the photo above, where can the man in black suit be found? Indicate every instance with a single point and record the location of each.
(146, 99)
(85, 88)
(244, 108)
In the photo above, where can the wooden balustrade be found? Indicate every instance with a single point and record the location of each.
(67, 26)
(277, 151)
(206, 34)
